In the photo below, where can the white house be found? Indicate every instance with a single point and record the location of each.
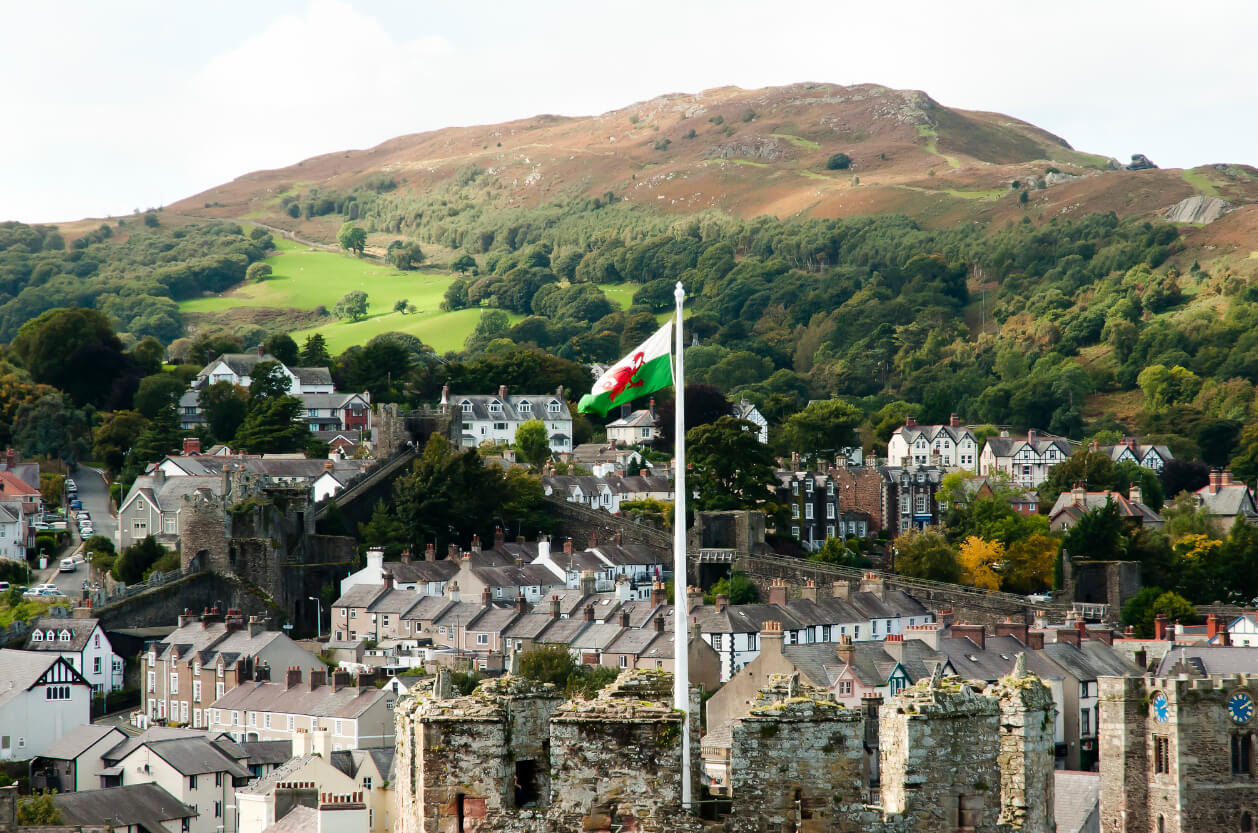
(426, 578)
(84, 644)
(1130, 450)
(951, 446)
(12, 527)
(1026, 460)
(637, 428)
(44, 699)
(197, 768)
(748, 411)
(494, 419)
(75, 761)
(235, 368)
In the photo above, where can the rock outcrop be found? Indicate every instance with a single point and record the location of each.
(1197, 209)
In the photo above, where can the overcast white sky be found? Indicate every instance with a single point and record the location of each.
(114, 106)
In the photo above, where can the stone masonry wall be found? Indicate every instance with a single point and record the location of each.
(1027, 750)
(1205, 788)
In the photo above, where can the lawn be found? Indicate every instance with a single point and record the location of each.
(307, 278)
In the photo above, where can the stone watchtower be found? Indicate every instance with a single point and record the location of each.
(1179, 754)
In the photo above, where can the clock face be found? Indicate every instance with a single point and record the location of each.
(1240, 707)
(1161, 709)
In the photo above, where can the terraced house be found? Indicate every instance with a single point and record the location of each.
(951, 446)
(493, 420)
(1027, 460)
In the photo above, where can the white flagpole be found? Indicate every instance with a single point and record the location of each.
(681, 631)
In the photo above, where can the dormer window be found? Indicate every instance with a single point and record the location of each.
(65, 636)
(553, 407)
(525, 408)
(467, 406)
(495, 407)
(37, 636)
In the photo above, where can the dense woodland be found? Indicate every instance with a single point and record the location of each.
(1020, 326)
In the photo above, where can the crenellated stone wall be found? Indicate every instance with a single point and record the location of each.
(514, 757)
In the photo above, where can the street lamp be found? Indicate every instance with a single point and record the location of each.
(318, 616)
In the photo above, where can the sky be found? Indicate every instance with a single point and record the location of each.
(132, 104)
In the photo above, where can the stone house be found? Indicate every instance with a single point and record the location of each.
(1026, 461)
(1226, 500)
(205, 657)
(494, 419)
(84, 644)
(356, 713)
(155, 506)
(950, 446)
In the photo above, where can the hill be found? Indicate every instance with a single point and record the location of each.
(741, 153)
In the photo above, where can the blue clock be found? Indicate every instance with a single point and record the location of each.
(1161, 709)
(1240, 707)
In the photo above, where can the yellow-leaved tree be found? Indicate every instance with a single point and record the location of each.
(1029, 564)
(977, 558)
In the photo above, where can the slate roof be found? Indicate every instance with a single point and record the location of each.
(242, 364)
(509, 575)
(1077, 801)
(631, 641)
(638, 419)
(872, 664)
(347, 702)
(274, 752)
(165, 492)
(429, 609)
(1008, 446)
(527, 626)
(1227, 501)
(988, 664)
(596, 637)
(930, 432)
(138, 804)
(352, 761)
(300, 819)
(1066, 502)
(511, 407)
(9, 514)
(212, 640)
(156, 733)
(334, 401)
(196, 756)
(422, 572)
(312, 375)
(81, 631)
(1138, 449)
(1206, 660)
(268, 782)
(78, 740)
(661, 647)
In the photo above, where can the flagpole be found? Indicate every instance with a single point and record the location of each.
(681, 631)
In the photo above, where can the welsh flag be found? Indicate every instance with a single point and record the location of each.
(643, 371)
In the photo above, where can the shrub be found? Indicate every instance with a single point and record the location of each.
(839, 162)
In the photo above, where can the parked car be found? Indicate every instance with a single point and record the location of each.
(44, 593)
(68, 565)
(70, 484)
(76, 504)
(5, 586)
(87, 531)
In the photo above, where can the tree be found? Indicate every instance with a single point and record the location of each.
(1142, 610)
(114, 437)
(135, 560)
(404, 256)
(148, 355)
(161, 390)
(224, 406)
(353, 305)
(834, 551)
(161, 436)
(76, 351)
(493, 323)
(1028, 564)
(979, 560)
(548, 664)
(463, 263)
(400, 305)
(1099, 534)
(384, 530)
(839, 162)
(271, 426)
(38, 809)
(352, 238)
(51, 426)
(732, 469)
(51, 488)
(926, 554)
(283, 348)
(532, 441)
(736, 586)
(704, 405)
(268, 380)
(314, 353)
(826, 425)
(258, 272)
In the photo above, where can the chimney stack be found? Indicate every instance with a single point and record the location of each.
(694, 598)
(809, 591)
(1212, 626)
(1134, 494)
(1160, 630)
(910, 422)
(1015, 629)
(191, 445)
(624, 618)
(430, 552)
(976, 634)
(567, 546)
(589, 613)
(502, 391)
(554, 607)
(777, 592)
(587, 583)
(262, 673)
(521, 606)
(658, 594)
(771, 638)
(722, 602)
(475, 543)
(1035, 640)
(894, 646)
(659, 623)
(340, 679)
(317, 678)
(484, 597)
(954, 420)
(292, 676)
(845, 650)
(406, 556)
(841, 590)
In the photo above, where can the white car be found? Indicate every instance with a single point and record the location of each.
(68, 565)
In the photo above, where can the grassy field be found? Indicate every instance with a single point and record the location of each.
(797, 141)
(1204, 185)
(307, 278)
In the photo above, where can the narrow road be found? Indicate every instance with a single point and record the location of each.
(94, 494)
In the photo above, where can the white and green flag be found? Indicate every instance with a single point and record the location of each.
(645, 370)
